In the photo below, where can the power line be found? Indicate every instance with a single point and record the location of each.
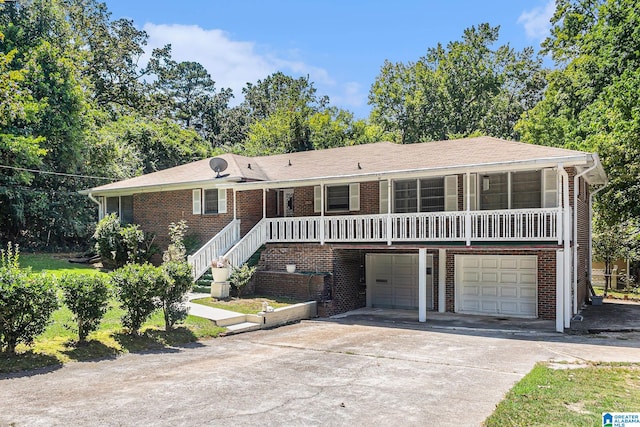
(57, 173)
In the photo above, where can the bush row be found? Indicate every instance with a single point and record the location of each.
(28, 300)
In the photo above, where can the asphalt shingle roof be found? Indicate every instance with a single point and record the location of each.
(351, 160)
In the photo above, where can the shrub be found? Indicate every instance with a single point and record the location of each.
(173, 295)
(87, 296)
(26, 301)
(176, 250)
(136, 287)
(240, 277)
(118, 245)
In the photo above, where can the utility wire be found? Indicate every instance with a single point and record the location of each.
(57, 173)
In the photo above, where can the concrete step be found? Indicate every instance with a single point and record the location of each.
(233, 319)
(242, 327)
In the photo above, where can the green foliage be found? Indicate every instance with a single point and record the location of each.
(177, 250)
(119, 245)
(613, 242)
(172, 293)
(465, 88)
(26, 301)
(136, 287)
(240, 278)
(87, 297)
(591, 102)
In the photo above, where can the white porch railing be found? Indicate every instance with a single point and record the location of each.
(518, 224)
(249, 244)
(217, 246)
(461, 226)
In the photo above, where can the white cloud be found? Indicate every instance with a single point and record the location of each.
(350, 96)
(536, 21)
(230, 63)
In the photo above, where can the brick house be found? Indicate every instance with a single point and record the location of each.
(477, 225)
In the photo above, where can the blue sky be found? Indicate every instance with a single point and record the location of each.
(341, 45)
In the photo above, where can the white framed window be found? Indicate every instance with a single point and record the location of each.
(122, 206)
(424, 195)
(518, 190)
(338, 198)
(209, 201)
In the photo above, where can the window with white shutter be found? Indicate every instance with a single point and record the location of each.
(451, 193)
(196, 196)
(549, 188)
(384, 197)
(317, 199)
(473, 178)
(354, 197)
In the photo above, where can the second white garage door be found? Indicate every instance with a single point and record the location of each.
(496, 284)
(392, 281)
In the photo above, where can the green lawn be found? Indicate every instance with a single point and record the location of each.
(569, 397)
(246, 305)
(56, 264)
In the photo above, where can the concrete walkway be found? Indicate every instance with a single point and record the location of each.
(234, 322)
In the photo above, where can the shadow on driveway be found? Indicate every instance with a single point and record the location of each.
(611, 316)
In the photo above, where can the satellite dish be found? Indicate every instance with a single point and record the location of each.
(218, 165)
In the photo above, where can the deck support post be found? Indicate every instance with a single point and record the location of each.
(422, 285)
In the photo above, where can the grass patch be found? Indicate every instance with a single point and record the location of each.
(58, 343)
(569, 397)
(617, 293)
(245, 305)
(56, 264)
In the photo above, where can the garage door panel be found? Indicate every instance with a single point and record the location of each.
(471, 290)
(471, 276)
(489, 307)
(496, 284)
(489, 263)
(489, 291)
(528, 263)
(489, 277)
(508, 277)
(508, 292)
(508, 263)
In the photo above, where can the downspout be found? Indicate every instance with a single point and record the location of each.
(389, 226)
(574, 283)
(566, 231)
(322, 224)
(591, 231)
(97, 202)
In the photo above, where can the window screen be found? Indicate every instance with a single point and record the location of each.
(525, 190)
(432, 195)
(338, 198)
(211, 201)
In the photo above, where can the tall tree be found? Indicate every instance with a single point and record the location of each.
(591, 101)
(465, 88)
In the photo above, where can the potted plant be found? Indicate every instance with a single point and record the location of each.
(220, 270)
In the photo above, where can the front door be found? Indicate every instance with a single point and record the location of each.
(288, 201)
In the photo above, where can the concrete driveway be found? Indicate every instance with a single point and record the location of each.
(311, 373)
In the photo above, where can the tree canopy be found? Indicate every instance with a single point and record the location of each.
(591, 101)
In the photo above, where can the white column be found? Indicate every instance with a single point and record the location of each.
(322, 225)
(235, 211)
(467, 217)
(559, 291)
(264, 203)
(442, 279)
(422, 285)
(389, 204)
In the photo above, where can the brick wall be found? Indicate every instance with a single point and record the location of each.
(155, 211)
(303, 287)
(546, 276)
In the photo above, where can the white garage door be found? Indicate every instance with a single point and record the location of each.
(392, 281)
(496, 284)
